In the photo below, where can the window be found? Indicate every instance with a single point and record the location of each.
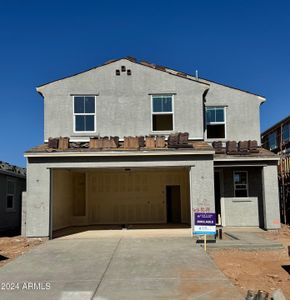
(10, 195)
(285, 133)
(84, 114)
(241, 183)
(162, 113)
(273, 141)
(215, 122)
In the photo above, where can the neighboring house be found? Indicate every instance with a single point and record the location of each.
(12, 184)
(84, 180)
(277, 139)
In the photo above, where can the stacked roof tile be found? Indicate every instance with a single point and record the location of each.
(11, 169)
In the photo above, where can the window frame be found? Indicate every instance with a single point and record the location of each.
(13, 208)
(274, 133)
(162, 113)
(216, 123)
(84, 114)
(246, 184)
(285, 141)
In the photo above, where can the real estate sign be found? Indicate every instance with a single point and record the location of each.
(204, 223)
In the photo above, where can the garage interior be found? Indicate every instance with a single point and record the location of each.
(125, 197)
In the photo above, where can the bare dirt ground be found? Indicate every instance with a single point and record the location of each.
(11, 247)
(258, 269)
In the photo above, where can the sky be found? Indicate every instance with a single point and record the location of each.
(242, 43)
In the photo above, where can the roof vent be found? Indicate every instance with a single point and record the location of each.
(123, 69)
(118, 73)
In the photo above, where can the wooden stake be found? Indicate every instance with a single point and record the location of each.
(204, 242)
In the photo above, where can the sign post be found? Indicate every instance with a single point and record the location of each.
(204, 224)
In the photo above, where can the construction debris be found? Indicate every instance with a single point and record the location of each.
(104, 143)
(63, 143)
(262, 295)
(253, 146)
(53, 143)
(235, 148)
(218, 146)
(243, 146)
(150, 142)
(141, 141)
(179, 140)
(231, 147)
(131, 142)
(160, 141)
(278, 295)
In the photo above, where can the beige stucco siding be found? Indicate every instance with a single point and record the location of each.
(242, 112)
(123, 103)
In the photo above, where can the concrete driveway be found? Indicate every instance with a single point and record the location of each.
(109, 265)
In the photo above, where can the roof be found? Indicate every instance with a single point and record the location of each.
(159, 68)
(197, 147)
(134, 60)
(262, 153)
(278, 124)
(11, 170)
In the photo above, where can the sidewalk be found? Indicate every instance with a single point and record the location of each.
(244, 238)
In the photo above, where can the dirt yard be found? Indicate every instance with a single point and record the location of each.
(11, 247)
(248, 270)
(258, 270)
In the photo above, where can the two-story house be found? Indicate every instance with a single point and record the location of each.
(137, 176)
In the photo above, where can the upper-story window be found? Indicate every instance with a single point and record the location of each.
(84, 114)
(272, 140)
(10, 195)
(286, 133)
(241, 183)
(215, 123)
(162, 112)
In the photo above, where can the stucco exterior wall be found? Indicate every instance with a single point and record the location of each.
(239, 212)
(242, 112)
(38, 186)
(255, 195)
(37, 204)
(202, 188)
(271, 198)
(123, 103)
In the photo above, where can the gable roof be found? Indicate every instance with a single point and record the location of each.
(155, 67)
(134, 60)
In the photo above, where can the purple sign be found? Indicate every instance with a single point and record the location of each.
(204, 223)
(205, 219)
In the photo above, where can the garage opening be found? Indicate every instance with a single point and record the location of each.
(118, 198)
